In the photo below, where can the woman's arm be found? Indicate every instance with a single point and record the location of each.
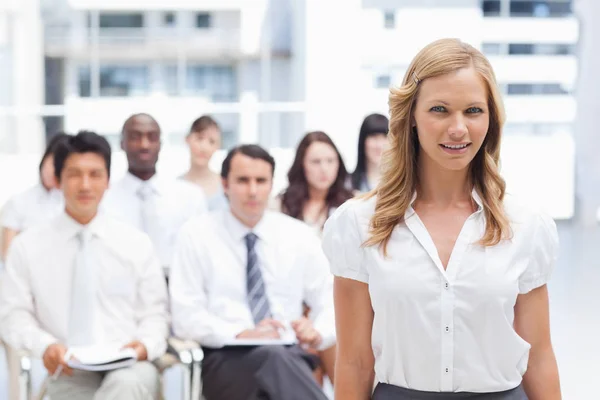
(8, 235)
(532, 323)
(354, 368)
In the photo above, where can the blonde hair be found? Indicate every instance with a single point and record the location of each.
(400, 162)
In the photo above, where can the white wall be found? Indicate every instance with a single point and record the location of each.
(415, 28)
(28, 75)
(530, 30)
(586, 132)
(535, 68)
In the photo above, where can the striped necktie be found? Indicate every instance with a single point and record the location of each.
(257, 297)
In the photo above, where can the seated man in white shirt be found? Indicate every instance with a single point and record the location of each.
(240, 276)
(155, 205)
(85, 280)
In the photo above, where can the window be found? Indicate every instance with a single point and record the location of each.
(536, 89)
(203, 20)
(216, 82)
(540, 9)
(84, 82)
(169, 19)
(542, 49)
(383, 82)
(116, 81)
(389, 19)
(491, 49)
(491, 8)
(120, 20)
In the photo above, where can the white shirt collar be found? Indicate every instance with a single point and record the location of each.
(410, 211)
(239, 231)
(71, 228)
(133, 183)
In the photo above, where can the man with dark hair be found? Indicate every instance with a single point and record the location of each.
(238, 283)
(84, 280)
(154, 205)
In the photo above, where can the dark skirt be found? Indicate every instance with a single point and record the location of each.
(390, 392)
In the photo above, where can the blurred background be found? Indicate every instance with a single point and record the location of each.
(271, 70)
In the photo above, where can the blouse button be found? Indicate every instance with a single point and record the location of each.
(447, 370)
(447, 329)
(446, 285)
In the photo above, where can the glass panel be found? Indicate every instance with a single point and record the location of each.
(84, 81)
(217, 82)
(169, 80)
(169, 19)
(542, 48)
(540, 9)
(121, 20)
(116, 80)
(491, 8)
(536, 89)
(491, 48)
(383, 82)
(389, 19)
(202, 20)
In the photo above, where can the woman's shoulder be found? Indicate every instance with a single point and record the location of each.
(356, 211)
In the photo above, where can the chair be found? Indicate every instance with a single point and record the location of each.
(184, 353)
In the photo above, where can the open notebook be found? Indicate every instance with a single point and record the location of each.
(98, 358)
(287, 337)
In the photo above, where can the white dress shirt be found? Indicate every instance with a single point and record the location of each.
(176, 201)
(208, 277)
(445, 330)
(35, 296)
(32, 207)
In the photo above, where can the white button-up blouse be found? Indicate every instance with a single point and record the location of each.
(445, 330)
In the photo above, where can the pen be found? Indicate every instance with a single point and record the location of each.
(60, 367)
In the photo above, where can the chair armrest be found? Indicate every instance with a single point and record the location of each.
(25, 358)
(179, 351)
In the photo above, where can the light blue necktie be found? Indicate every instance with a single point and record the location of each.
(257, 296)
(82, 318)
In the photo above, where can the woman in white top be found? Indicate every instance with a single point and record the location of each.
(37, 204)
(440, 287)
(204, 140)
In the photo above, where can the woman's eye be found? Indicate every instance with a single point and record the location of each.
(474, 110)
(438, 109)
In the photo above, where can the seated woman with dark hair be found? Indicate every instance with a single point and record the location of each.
(372, 141)
(317, 181)
(317, 187)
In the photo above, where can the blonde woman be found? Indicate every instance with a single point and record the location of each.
(440, 287)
